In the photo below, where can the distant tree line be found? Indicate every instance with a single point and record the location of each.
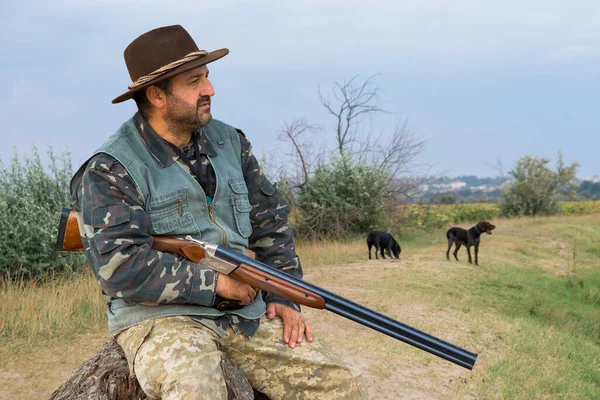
(589, 190)
(528, 169)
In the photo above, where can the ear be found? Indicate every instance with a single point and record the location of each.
(156, 96)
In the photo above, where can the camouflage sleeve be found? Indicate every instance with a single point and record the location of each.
(271, 238)
(118, 244)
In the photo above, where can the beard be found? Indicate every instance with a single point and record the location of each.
(183, 117)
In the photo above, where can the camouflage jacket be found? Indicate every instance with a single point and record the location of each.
(137, 270)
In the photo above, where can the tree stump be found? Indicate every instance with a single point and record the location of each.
(106, 376)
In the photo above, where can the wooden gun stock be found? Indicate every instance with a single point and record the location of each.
(69, 239)
(277, 286)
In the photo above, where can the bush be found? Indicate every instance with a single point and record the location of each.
(31, 198)
(535, 187)
(341, 199)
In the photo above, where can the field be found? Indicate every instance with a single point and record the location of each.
(440, 215)
(531, 311)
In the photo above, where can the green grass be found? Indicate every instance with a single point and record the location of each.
(543, 361)
(546, 291)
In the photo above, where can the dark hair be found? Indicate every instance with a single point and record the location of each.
(142, 101)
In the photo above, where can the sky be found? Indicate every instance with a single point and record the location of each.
(479, 81)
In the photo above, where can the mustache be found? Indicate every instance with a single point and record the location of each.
(203, 100)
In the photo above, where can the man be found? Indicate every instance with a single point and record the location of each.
(173, 170)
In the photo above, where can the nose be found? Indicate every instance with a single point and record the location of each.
(207, 89)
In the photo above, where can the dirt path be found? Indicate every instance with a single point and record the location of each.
(33, 370)
(392, 369)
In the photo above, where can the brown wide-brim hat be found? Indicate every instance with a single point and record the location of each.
(160, 54)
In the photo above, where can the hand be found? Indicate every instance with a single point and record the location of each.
(232, 288)
(294, 326)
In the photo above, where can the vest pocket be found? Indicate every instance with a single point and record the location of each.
(241, 206)
(170, 214)
(266, 186)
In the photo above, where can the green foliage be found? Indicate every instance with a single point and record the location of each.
(340, 199)
(581, 207)
(31, 198)
(442, 216)
(589, 190)
(535, 187)
(449, 198)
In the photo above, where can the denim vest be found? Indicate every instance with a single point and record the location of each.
(177, 206)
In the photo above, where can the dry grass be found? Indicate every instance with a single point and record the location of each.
(331, 253)
(57, 307)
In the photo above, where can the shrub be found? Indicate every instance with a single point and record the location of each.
(341, 199)
(535, 187)
(31, 198)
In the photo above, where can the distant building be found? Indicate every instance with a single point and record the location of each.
(593, 179)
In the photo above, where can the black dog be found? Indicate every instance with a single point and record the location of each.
(469, 238)
(383, 241)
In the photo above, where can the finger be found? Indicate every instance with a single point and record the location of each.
(248, 295)
(287, 331)
(243, 298)
(308, 331)
(294, 335)
(301, 327)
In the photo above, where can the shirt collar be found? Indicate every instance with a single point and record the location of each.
(205, 146)
(160, 149)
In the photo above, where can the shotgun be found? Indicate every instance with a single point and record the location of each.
(272, 280)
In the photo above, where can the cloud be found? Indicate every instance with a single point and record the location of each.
(451, 63)
(288, 32)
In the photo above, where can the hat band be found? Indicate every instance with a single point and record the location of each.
(153, 75)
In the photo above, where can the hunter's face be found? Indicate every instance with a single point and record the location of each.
(188, 105)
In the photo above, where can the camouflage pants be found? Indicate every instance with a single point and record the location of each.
(179, 358)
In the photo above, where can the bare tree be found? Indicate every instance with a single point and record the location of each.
(395, 151)
(352, 100)
(298, 133)
(497, 166)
